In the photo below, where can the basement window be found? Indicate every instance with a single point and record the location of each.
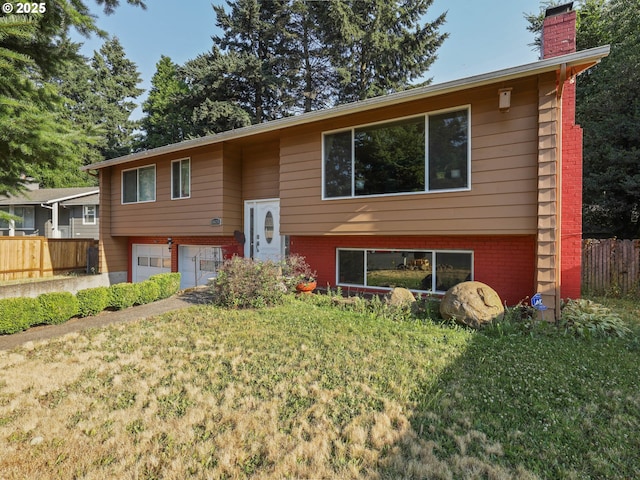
(419, 270)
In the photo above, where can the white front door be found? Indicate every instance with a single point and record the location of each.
(262, 230)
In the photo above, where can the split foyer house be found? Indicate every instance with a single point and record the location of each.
(478, 178)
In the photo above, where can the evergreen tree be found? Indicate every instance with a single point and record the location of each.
(257, 40)
(608, 109)
(35, 133)
(114, 80)
(380, 46)
(166, 120)
(214, 103)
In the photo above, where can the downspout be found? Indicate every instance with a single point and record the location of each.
(558, 255)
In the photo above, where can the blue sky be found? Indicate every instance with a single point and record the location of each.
(484, 35)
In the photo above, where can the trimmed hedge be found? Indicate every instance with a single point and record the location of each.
(57, 307)
(123, 295)
(92, 300)
(169, 283)
(148, 291)
(17, 314)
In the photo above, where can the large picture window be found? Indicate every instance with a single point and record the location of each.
(181, 178)
(139, 185)
(419, 154)
(421, 270)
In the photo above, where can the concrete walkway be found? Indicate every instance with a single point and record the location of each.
(44, 332)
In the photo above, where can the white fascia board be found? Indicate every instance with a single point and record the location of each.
(71, 197)
(590, 56)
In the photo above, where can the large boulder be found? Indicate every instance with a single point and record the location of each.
(400, 297)
(472, 303)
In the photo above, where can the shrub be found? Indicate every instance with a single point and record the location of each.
(295, 270)
(17, 314)
(243, 283)
(57, 307)
(169, 283)
(123, 295)
(586, 318)
(148, 291)
(92, 300)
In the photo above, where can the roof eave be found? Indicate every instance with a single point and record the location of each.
(577, 62)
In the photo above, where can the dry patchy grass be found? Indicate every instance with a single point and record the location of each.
(298, 391)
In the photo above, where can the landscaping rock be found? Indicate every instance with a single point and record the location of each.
(400, 297)
(472, 303)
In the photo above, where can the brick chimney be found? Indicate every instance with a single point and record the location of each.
(559, 38)
(559, 31)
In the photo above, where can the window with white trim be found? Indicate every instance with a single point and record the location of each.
(27, 219)
(412, 155)
(88, 214)
(420, 270)
(181, 179)
(139, 185)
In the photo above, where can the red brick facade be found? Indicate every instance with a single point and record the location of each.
(560, 39)
(506, 263)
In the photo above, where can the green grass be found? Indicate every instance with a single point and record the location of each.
(307, 390)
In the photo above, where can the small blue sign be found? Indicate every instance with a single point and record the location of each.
(536, 302)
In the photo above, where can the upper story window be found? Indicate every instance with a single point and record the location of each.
(139, 185)
(88, 214)
(414, 155)
(180, 179)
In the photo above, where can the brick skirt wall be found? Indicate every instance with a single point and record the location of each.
(504, 263)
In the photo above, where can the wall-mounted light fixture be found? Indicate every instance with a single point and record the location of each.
(170, 242)
(504, 102)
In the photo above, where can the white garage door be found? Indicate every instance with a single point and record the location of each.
(149, 260)
(197, 264)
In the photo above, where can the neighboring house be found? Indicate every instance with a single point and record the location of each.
(53, 212)
(478, 178)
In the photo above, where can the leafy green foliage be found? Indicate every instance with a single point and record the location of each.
(585, 318)
(169, 283)
(57, 307)
(92, 301)
(123, 295)
(608, 110)
(166, 120)
(38, 137)
(17, 314)
(279, 58)
(148, 291)
(246, 283)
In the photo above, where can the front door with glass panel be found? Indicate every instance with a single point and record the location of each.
(262, 230)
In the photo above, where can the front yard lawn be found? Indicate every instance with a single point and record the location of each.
(307, 390)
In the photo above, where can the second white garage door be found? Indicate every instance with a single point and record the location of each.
(197, 264)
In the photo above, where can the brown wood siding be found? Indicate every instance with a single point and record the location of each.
(503, 195)
(191, 216)
(113, 252)
(260, 173)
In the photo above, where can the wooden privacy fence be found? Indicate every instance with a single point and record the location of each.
(34, 257)
(611, 266)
